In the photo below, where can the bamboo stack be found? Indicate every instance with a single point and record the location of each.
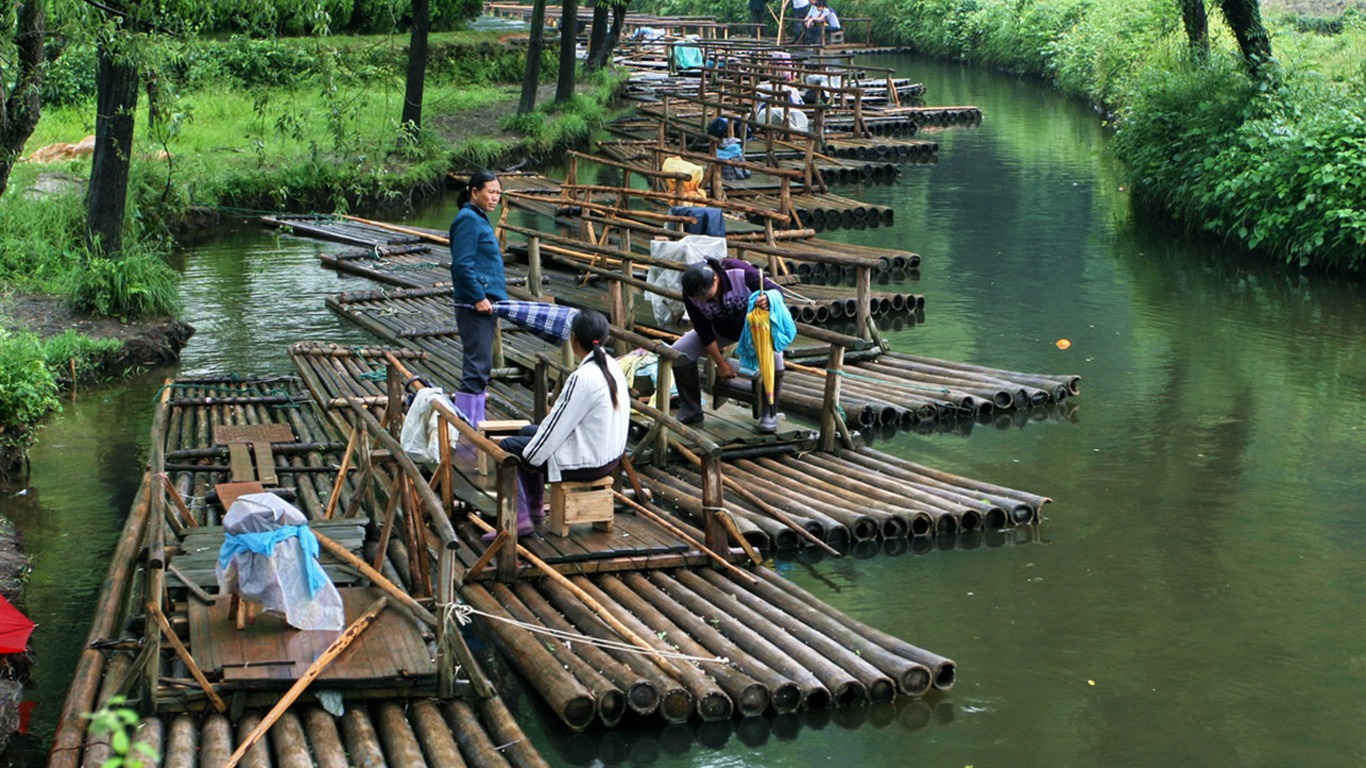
(780, 650)
(417, 733)
(887, 498)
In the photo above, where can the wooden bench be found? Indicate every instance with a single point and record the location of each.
(573, 502)
(496, 430)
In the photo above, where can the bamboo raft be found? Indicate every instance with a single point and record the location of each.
(752, 643)
(205, 685)
(833, 169)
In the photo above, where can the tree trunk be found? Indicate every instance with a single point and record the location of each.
(1245, 19)
(116, 98)
(614, 35)
(19, 109)
(569, 27)
(1196, 21)
(531, 80)
(411, 124)
(598, 37)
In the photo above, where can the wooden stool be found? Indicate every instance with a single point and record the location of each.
(835, 37)
(494, 430)
(587, 501)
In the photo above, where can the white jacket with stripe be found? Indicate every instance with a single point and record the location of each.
(583, 430)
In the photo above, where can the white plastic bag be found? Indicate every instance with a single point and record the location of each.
(685, 250)
(278, 581)
(421, 427)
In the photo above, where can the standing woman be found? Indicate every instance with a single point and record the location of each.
(478, 281)
(584, 435)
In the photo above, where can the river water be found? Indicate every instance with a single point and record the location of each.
(1196, 594)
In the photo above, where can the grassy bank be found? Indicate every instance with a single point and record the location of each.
(1279, 169)
(292, 125)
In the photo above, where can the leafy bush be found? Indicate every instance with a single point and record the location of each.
(135, 285)
(28, 390)
(72, 356)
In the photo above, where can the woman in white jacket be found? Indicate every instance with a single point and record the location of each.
(584, 435)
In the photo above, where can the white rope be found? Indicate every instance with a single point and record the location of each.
(463, 611)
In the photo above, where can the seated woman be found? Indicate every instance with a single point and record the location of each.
(584, 435)
(821, 20)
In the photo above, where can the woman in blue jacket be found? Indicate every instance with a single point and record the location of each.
(478, 281)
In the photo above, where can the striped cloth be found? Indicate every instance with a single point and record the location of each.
(548, 321)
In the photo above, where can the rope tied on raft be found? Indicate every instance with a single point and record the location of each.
(282, 392)
(463, 611)
(379, 374)
(895, 382)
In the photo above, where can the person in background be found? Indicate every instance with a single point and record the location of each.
(820, 21)
(477, 281)
(757, 11)
(584, 435)
(800, 9)
(716, 298)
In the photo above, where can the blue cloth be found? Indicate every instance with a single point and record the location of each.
(264, 544)
(476, 262)
(709, 220)
(781, 328)
(687, 57)
(731, 151)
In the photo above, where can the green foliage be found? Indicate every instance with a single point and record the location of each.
(74, 357)
(39, 237)
(138, 284)
(28, 389)
(120, 723)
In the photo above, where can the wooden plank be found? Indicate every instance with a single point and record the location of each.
(239, 458)
(272, 654)
(265, 463)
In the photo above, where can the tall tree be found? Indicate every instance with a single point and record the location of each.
(1196, 21)
(569, 32)
(597, 37)
(531, 79)
(116, 98)
(604, 53)
(20, 106)
(1245, 19)
(417, 69)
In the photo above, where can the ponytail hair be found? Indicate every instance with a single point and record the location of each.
(590, 330)
(476, 181)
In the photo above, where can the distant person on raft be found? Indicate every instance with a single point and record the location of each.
(716, 296)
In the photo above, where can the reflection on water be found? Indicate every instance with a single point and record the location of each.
(1194, 595)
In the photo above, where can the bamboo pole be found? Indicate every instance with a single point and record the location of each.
(612, 621)
(315, 669)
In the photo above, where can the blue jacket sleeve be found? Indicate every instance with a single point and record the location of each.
(464, 244)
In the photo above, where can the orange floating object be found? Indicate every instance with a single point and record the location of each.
(1062, 343)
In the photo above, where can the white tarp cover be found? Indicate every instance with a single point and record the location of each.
(421, 427)
(279, 581)
(685, 250)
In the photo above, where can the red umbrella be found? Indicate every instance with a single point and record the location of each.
(15, 628)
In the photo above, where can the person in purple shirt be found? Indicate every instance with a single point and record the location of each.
(716, 297)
